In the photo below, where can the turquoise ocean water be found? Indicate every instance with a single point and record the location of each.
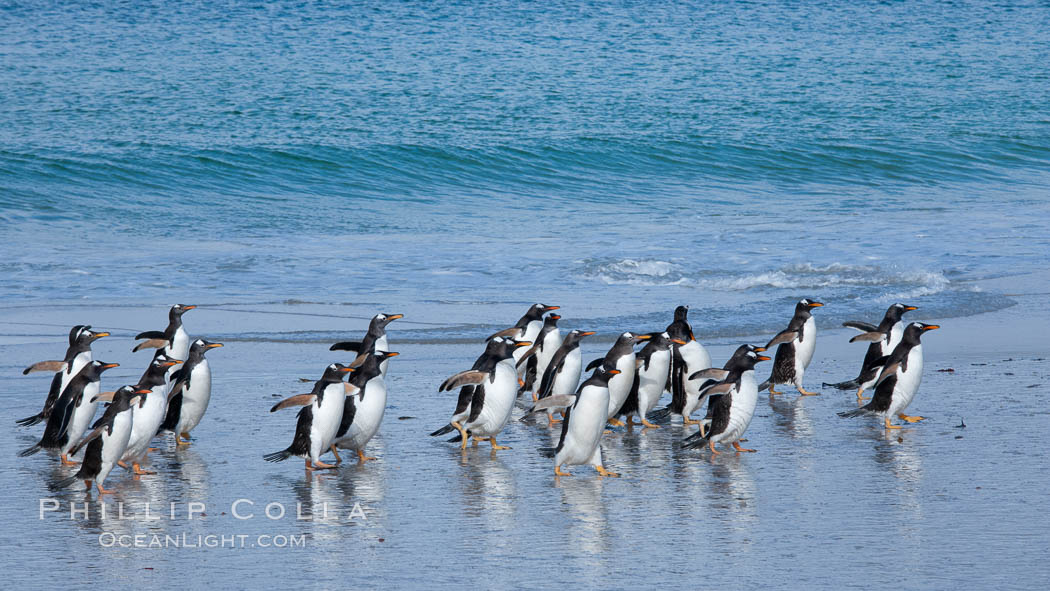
(618, 157)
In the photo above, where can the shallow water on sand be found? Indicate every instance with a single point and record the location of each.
(826, 502)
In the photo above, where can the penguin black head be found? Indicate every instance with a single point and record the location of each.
(661, 341)
(896, 311)
(804, 305)
(381, 320)
(101, 366)
(914, 331)
(335, 372)
(83, 335)
(551, 320)
(630, 339)
(201, 345)
(680, 313)
(575, 335)
(538, 310)
(751, 358)
(127, 396)
(507, 347)
(178, 310)
(602, 375)
(383, 355)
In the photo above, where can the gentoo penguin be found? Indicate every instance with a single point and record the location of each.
(148, 414)
(466, 393)
(650, 378)
(899, 380)
(72, 413)
(712, 377)
(77, 356)
(190, 393)
(527, 328)
(883, 339)
(734, 408)
(375, 340)
(173, 340)
(319, 419)
(364, 407)
(546, 344)
(563, 372)
(795, 351)
(620, 356)
(686, 360)
(496, 390)
(106, 442)
(586, 413)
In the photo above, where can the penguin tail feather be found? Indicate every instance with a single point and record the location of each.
(847, 385)
(25, 453)
(60, 484)
(660, 415)
(766, 384)
(694, 442)
(278, 456)
(856, 412)
(446, 429)
(30, 420)
(456, 437)
(548, 452)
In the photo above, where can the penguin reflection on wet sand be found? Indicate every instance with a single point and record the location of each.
(796, 345)
(586, 413)
(883, 338)
(375, 340)
(78, 354)
(318, 421)
(899, 379)
(106, 442)
(496, 389)
(190, 393)
(734, 408)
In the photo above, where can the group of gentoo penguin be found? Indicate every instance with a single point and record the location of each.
(625, 384)
(532, 356)
(171, 396)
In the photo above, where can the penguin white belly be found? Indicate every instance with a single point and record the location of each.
(195, 399)
(145, 422)
(367, 416)
(569, 376)
(180, 345)
(586, 424)
(114, 445)
(620, 384)
(499, 401)
(382, 345)
(907, 382)
(551, 342)
(326, 418)
(804, 349)
(651, 382)
(696, 358)
(896, 334)
(79, 361)
(741, 411)
(83, 415)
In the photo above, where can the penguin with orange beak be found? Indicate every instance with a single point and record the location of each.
(796, 345)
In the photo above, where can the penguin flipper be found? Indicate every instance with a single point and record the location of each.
(595, 364)
(446, 429)
(505, 333)
(98, 429)
(151, 334)
(297, 400)
(52, 366)
(171, 417)
(549, 375)
(784, 336)
(868, 337)
(552, 402)
(354, 346)
(29, 421)
(151, 344)
(463, 378)
(861, 326)
(709, 373)
(677, 387)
